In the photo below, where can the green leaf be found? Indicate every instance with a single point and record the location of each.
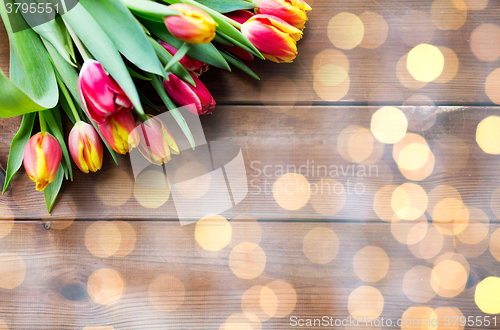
(32, 86)
(202, 52)
(58, 134)
(17, 148)
(220, 40)
(102, 48)
(225, 6)
(137, 75)
(179, 54)
(158, 86)
(238, 63)
(125, 32)
(165, 57)
(150, 10)
(52, 190)
(67, 109)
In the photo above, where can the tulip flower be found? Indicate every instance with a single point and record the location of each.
(291, 11)
(85, 147)
(156, 141)
(240, 16)
(197, 99)
(119, 131)
(100, 93)
(193, 26)
(273, 37)
(42, 156)
(192, 65)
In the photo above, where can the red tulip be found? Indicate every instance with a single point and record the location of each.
(42, 156)
(85, 147)
(240, 16)
(197, 99)
(187, 62)
(193, 26)
(291, 11)
(273, 37)
(100, 94)
(156, 141)
(118, 131)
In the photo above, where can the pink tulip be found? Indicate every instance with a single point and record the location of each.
(156, 141)
(187, 62)
(85, 147)
(197, 99)
(291, 11)
(119, 131)
(240, 16)
(42, 156)
(100, 94)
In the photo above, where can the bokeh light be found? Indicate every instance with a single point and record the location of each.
(12, 270)
(389, 125)
(409, 232)
(97, 327)
(166, 293)
(252, 307)
(6, 220)
(103, 238)
(105, 286)
(321, 245)
(247, 260)
(444, 322)
(409, 153)
(326, 199)
(449, 14)
(485, 42)
(492, 86)
(365, 302)
(418, 318)
(151, 189)
(404, 76)
(192, 180)
(417, 284)
(114, 187)
(332, 91)
(450, 67)
(495, 244)
(425, 62)
(376, 30)
(487, 295)
(409, 201)
(128, 239)
(477, 227)
(429, 246)
(291, 191)
(382, 202)
(345, 30)
(448, 278)
(371, 264)
(239, 321)
(330, 56)
(213, 232)
(286, 295)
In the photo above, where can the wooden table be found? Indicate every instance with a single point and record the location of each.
(412, 239)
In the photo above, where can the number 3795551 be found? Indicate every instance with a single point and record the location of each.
(32, 8)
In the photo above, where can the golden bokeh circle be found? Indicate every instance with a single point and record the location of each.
(371, 264)
(492, 86)
(128, 238)
(291, 191)
(239, 321)
(114, 187)
(247, 260)
(321, 245)
(366, 302)
(166, 293)
(6, 221)
(103, 238)
(382, 203)
(331, 93)
(3, 325)
(429, 246)
(376, 30)
(443, 313)
(327, 198)
(450, 68)
(487, 295)
(495, 244)
(330, 56)
(409, 232)
(105, 286)
(418, 318)
(286, 296)
(345, 30)
(330, 75)
(477, 227)
(417, 284)
(409, 201)
(389, 125)
(425, 62)
(485, 42)
(213, 232)
(151, 189)
(448, 278)
(449, 14)
(251, 303)
(12, 270)
(404, 76)
(410, 150)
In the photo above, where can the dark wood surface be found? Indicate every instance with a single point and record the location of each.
(282, 120)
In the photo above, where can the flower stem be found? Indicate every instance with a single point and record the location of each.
(43, 123)
(178, 56)
(68, 98)
(78, 43)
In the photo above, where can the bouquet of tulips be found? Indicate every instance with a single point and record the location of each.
(89, 59)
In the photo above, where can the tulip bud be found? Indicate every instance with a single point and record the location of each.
(193, 26)
(240, 16)
(85, 147)
(197, 99)
(156, 141)
(192, 65)
(273, 37)
(291, 11)
(42, 156)
(118, 131)
(100, 93)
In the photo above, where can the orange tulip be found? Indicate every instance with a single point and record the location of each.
(193, 26)
(156, 141)
(85, 147)
(273, 37)
(291, 11)
(118, 131)
(42, 156)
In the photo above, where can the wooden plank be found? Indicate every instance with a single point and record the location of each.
(54, 293)
(372, 73)
(305, 140)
